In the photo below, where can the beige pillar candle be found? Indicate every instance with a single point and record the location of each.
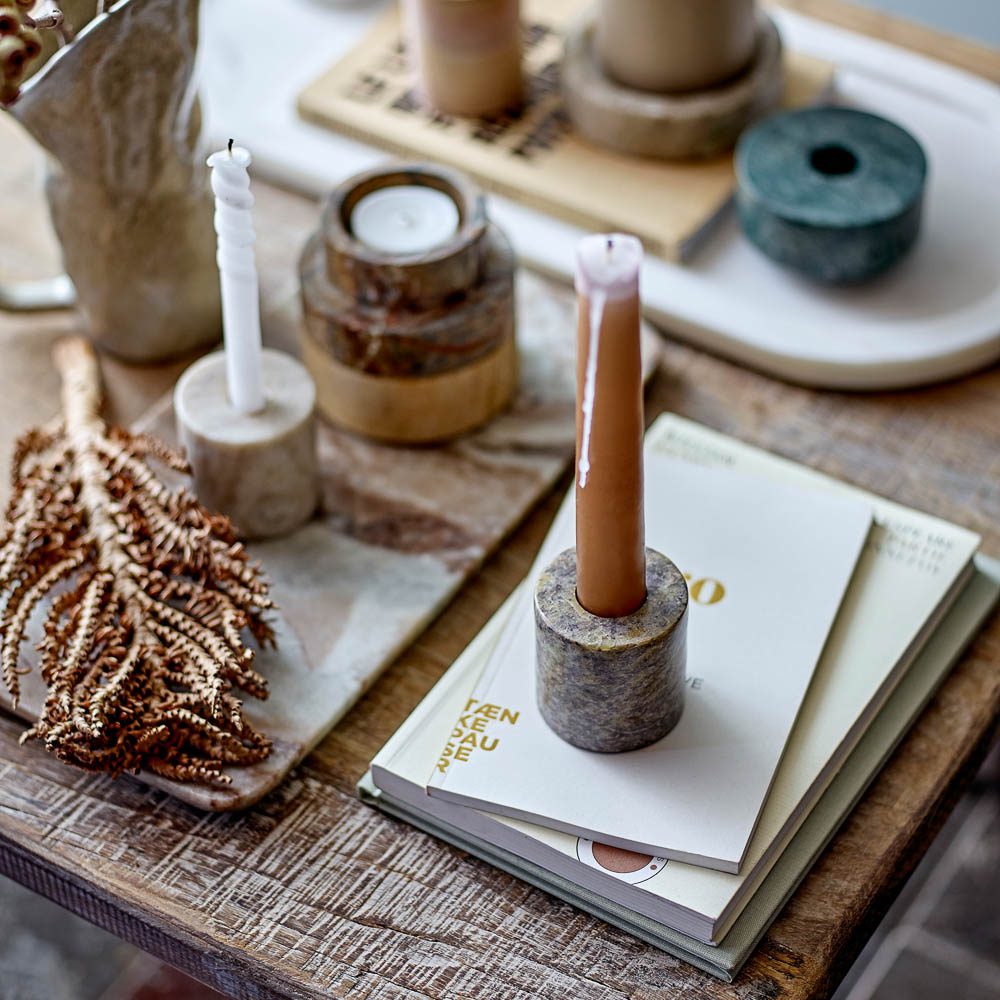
(669, 46)
(467, 54)
(610, 525)
(258, 468)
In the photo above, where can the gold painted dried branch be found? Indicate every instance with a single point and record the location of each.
(143, 643)
(20, 41)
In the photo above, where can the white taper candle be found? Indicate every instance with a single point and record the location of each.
(238, 276)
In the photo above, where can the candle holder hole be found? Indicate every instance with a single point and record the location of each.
(833, 160)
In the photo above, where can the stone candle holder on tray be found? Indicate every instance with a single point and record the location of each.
(674, 79)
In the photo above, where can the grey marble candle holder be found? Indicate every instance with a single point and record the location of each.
(670, 126)
(611, 684)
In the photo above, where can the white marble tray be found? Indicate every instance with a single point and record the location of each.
(935, 317)
(400, 530)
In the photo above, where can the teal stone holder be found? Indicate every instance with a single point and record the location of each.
(833, 193)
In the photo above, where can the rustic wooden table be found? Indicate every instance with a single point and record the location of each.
(312, 894)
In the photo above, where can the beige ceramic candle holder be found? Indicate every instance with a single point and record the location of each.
(410, 348)
(676, 122)
(675, 46)
(467, 54)
(126, 182)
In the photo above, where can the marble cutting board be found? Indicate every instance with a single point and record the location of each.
(401, 530)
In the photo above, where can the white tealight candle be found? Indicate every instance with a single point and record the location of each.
(405, 219)
(238, 275)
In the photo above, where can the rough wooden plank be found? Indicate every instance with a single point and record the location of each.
(313, 895)
(313, 888)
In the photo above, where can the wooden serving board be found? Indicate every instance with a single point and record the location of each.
(401, 530)
(535, 157)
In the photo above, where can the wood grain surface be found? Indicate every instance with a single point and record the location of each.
(311, 894)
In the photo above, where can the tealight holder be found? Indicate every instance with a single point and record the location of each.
(833, 193)
(611, 684)
(410, 347)
(677, 121)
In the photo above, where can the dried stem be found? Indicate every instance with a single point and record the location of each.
(21, 22)
(149, 596)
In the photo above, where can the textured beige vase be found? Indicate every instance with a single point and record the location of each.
(127, 185)
(672, 46)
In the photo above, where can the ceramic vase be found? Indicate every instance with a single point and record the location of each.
(127, 186)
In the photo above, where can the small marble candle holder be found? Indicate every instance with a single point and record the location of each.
(409, 347)
(672, 124)
(611, 684)
(260, 468)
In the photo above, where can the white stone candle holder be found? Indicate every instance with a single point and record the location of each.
(259, 468)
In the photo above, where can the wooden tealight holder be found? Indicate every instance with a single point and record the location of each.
(410, 348)
(696, 115)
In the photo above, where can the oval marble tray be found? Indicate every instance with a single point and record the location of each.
(935, 317)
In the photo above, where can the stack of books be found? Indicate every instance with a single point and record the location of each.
(822, 620)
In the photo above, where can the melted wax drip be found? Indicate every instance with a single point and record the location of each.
(597, 300)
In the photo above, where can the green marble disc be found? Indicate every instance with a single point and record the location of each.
(831, 192)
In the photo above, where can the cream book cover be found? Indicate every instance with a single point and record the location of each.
(615, 889)
(895, 601)
(768, 565)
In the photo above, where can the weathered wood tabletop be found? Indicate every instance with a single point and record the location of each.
(312, 894)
